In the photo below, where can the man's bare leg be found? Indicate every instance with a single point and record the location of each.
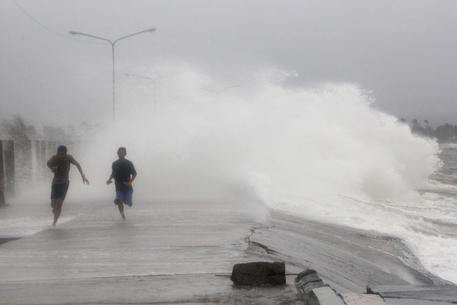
(54, 209)
(120, 206)
(57, 209)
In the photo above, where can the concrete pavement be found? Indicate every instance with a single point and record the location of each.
(183, 253)
(165, 253)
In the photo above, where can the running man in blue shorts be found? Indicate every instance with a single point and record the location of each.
(60, 166)
(124, 174)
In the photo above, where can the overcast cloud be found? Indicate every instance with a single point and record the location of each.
(402, 50)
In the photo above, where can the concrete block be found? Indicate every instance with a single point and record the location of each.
(259, 274)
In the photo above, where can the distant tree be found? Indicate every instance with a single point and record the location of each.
(428, 130)
(446, 133)
(417, 127)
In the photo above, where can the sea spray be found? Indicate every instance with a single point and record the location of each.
(323, 152)
(198, 141)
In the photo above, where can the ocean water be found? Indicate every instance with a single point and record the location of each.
(434, 220)
(427, 223)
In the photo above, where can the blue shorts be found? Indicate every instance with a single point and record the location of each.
(124, 196)
(59, 191)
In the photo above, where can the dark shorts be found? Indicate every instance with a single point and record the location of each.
(124, 196)
(59, 191)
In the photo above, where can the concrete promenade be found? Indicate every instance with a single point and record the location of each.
(183, 253)
(164, 253)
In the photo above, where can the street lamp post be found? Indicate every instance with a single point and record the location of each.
(113, 44)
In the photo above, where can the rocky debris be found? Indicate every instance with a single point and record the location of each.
(308, 280)
(314, 291)
(259, 274)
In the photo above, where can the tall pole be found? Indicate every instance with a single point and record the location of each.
(113, 45)
(2, 177)
(114, 82)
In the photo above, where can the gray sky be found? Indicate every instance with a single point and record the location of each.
(402, 50)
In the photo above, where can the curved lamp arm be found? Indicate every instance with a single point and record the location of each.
(91, 36)
(134, 34)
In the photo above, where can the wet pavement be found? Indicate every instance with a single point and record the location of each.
(164, 253)
(183, 253)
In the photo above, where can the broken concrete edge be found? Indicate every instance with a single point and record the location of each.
(310, 287)
(314, 291)
(444, 294)
(308, 280)
(351, 298)
(324, 295)
(371, 291)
